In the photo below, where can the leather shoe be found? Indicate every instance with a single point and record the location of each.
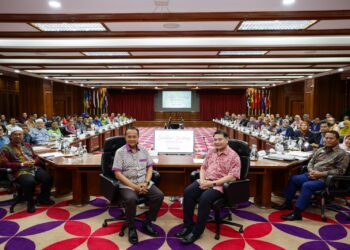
(190, 238)
(133, 238)
(147, 229)
(45, 202)
(30, 207)
(292, 216)
(184, 232)
(284, 206)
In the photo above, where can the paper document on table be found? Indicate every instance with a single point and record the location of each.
(39, 148)
(195, 160)
(300, 153)
(51, 155)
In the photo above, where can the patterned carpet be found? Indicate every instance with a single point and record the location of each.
(62, 226)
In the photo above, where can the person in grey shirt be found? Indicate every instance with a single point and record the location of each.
(133, 167)
(328, 160)
(39, 134)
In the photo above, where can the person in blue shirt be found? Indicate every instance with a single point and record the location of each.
(315, 125)
(97, 121)
(285, 130)
(39, 134)
(3, 137)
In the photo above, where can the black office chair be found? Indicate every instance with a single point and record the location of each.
(64, 132)
(109, 185)
(234, 192)
(336, 187)
(8, 181)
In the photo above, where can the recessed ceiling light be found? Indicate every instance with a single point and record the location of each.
(289, 81)
(69, 26)
(274, 84)
(46, 77)
(310, 76)
(340, 69)
(288, 2)
(263, 87)
(17, 71)
(171, 25)
(92, 87)
(66, 81)
(241, 53)
(276, 25)
(225, 66)
(155, 87)
(54, 4)
(107, 53)
(124, 66)
(82, 85)
(124, 87)
(225, 88)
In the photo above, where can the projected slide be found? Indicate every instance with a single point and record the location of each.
(174, 141)
(176, 99)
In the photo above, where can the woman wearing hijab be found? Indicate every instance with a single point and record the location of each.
(346, 143)
(346, 129)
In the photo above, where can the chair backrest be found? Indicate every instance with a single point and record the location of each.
(243, 150)
(111, 145)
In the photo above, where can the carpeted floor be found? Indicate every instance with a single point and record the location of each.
(62, 226)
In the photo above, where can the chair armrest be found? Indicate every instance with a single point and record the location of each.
(6, 170)
(236, 192)
(331, 179)
(194, 175)
(155, 177)
(109, 187)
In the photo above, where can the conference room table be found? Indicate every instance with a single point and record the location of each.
(80, 175)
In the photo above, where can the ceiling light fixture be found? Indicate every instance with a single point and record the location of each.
(17, 71)
(82, 85)
(69, 27)
(310, 76)
(54, 4)
(46, 77)
(107, 53)
(288, 2)
(340, 69)
(276, 25)
(92, 87)
(66, 81)
(242, 53)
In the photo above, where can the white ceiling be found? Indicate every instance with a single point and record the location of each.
(173, 6)
(172, 49)
(331, 24)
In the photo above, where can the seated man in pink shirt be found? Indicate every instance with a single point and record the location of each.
(221, 165)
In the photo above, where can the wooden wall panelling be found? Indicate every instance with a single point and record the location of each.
(31, 95)
(330, 96)
(9, 97)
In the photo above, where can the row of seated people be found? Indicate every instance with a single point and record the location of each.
(85, 119)
(298, 128)
(44, 130)
(221, 165)
(273, 122)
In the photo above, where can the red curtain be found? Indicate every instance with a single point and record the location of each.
(137, 104)
(213, 104)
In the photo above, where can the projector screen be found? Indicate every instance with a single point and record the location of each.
(176, 99)
(177, 141)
